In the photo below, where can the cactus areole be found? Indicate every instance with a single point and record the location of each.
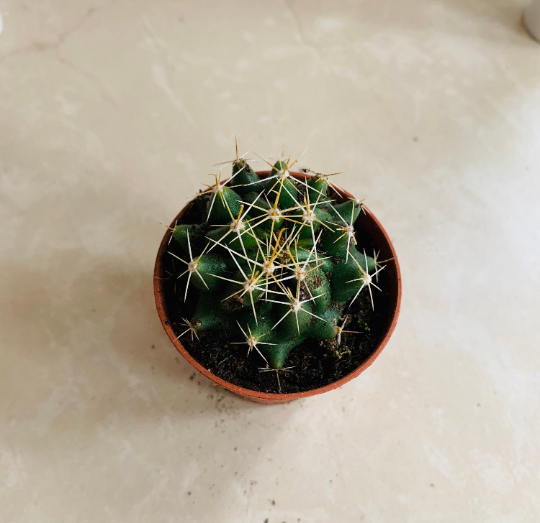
(266, 261)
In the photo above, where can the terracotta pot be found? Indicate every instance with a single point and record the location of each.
(371, 229)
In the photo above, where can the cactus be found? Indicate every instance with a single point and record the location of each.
(272, 261)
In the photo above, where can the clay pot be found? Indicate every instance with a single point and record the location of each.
(371, 230)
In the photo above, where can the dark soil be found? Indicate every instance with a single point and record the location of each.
(313, 363)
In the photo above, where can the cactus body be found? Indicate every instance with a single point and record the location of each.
(272, 261)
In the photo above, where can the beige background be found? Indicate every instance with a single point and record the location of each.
(111, 116)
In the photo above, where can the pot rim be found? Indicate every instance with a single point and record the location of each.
(271, 397)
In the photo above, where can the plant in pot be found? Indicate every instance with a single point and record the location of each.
(264, 283)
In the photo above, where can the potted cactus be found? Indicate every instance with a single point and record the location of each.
(266, 265)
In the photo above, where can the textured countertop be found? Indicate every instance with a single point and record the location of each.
(113, 113)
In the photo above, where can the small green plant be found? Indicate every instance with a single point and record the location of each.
(272, 261)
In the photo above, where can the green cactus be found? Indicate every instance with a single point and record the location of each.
(272, 261)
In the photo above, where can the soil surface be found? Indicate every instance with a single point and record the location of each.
(310, 365)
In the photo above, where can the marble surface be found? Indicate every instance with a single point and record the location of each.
(111, 116)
